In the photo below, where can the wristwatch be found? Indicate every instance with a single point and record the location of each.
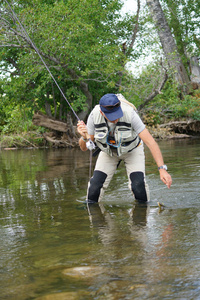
(163, 167)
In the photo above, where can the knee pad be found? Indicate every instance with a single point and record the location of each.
(138, 186)
(96, 183)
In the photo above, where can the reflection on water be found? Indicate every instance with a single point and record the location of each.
(54, 246)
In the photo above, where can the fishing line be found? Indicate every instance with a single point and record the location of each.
(37, 51)
(90, 168)
(90, 145)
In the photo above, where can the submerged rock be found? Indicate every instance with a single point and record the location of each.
(65, 296)
(83, 271)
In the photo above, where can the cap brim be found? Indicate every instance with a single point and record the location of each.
(113, 115)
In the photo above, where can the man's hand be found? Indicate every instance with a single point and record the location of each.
(157, 155)
(165, 177)
(86, 140)
(82, 129)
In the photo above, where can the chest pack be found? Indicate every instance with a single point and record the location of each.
(124, 139)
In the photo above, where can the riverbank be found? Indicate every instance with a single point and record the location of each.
(35, 139)
(23, 140)
(160, 133)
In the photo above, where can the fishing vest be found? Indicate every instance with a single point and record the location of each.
(124, 134)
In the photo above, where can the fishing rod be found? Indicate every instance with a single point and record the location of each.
(90, 145)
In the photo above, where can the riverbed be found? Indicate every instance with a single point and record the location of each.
(55, 246)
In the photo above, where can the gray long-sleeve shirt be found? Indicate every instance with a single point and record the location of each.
(135, 121)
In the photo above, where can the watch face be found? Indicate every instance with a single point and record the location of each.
(163, 167)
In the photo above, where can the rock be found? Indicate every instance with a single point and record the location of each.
(84, 271)
(65, 296)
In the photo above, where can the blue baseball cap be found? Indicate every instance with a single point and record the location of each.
(111, 107)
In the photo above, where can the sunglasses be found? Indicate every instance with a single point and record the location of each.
(110, 107)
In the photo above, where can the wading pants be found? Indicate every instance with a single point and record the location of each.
(105, 168)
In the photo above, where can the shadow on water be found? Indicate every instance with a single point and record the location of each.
(54, 246)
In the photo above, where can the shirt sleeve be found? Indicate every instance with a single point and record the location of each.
(137, 123)
(90, 124)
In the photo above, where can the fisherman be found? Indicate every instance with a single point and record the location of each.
(119, 133)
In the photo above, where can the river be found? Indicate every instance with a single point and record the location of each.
(53, 246)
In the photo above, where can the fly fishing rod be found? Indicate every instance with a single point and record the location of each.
(90, 145)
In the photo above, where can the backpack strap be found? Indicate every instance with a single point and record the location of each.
(122, 99)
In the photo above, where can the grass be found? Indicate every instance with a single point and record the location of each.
(24, 140)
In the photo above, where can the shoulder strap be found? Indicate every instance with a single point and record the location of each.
(122, 99)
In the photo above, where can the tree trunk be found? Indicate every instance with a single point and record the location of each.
(60, 134)
(48, 106)
(168, 44)
(85, 89)
(54, 99)
(195, 72)
(177, 29)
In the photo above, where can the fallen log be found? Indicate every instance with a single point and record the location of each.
(184, 127)
(62, 134)
(58, 142)
(41, 119)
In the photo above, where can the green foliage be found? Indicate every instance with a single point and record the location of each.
(15, 118)
(82, 43)
(190, 106)
(170, 104)
(152, 116)
(76, 98)
(183, 18)
(136, 89)
(170, 93)
(28, 140)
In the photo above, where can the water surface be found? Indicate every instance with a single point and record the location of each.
(54, 246)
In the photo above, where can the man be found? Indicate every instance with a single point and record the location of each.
(119, 132)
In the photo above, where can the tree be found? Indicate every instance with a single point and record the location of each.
(183, 18)
(87, 45)
(168, 44)
(81, 44)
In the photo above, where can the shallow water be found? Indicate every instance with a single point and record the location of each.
(53, 246)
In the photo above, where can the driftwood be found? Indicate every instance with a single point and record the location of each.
(40, 119)
(61, 134)
(59, 142)
(184, 127)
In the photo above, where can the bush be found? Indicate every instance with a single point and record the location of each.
(15, 119)
(172, 104)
